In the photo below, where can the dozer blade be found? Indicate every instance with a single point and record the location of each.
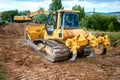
(52, 50)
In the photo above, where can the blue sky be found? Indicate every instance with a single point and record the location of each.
(33, 5)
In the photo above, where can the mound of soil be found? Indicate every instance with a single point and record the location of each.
(21, 62)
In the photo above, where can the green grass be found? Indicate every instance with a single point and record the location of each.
(114, 38)
(114, 35)
(2, 74)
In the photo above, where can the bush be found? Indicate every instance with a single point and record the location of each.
(9, 15)
(101, 22)
(81, 9)
(23, 13)
(111, 27)
(40, 18)
(2, 74)
(2, 23)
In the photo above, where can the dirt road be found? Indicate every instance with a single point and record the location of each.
(21, 62)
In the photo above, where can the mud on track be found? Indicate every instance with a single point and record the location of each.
(21, 62)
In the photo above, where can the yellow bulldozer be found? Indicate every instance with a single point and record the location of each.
(61, 37)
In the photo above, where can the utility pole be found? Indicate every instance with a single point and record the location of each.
(93, 11)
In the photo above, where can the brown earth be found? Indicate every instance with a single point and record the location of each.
(21, 62)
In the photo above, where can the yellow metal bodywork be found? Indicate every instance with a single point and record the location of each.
(73, 11)
(29, 16)
(70, 33)
(76, 43)
(74, 39)
(103, 40)
(38, 12)
(35, 32)
(22, 18)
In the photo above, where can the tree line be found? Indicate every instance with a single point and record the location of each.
(100, 22)
(95, 21)
(8, 16)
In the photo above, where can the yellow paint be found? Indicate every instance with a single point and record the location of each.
(75, 39)
(103, 40)
(35, 32)
(30, 16)
(54, 36)
(58, 21)
(77, 42)
(22, 18)
(70, 33)
(74, 11)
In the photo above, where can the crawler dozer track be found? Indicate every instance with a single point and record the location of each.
(52, 49)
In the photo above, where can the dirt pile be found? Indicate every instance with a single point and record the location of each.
(21, 62)
(13, 29)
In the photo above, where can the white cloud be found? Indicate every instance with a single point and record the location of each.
(23, 5)
(67, 4)
(90, 5)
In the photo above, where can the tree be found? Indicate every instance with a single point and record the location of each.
(81, 9)
(40, 18)
(111, 26)
(9, 15)
(91, 22)
(40, 8)
(23, 13)
(115, 22)
(101, 21)
(55, 5)
(83, 22)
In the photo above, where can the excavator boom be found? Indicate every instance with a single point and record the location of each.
(30, 16)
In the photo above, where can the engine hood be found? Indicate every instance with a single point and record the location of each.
(70, 33)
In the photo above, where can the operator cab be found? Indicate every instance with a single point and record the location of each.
(62, 19)
(69, 20)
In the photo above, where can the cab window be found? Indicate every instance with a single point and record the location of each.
(71, 20)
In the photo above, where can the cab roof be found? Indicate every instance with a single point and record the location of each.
(74, 11)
